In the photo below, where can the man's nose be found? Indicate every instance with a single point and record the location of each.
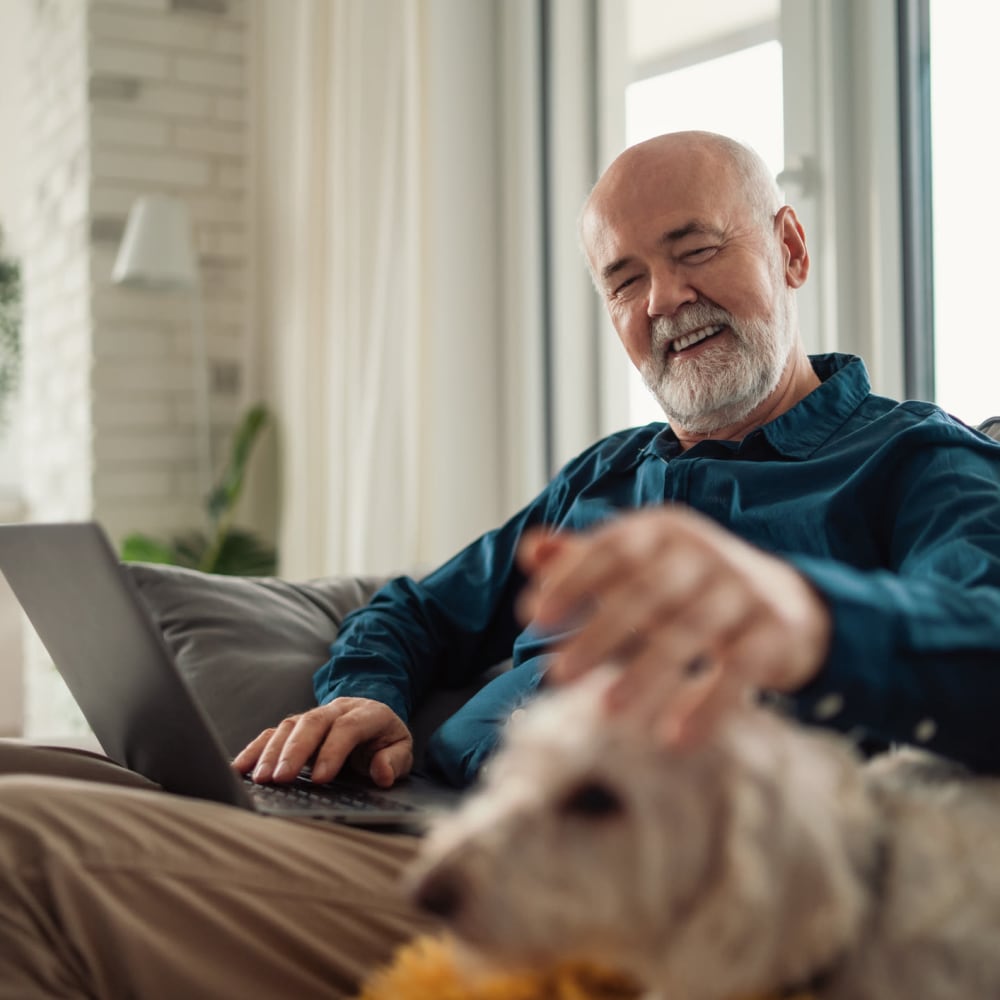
(669, 289)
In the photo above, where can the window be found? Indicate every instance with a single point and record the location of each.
(965, 150)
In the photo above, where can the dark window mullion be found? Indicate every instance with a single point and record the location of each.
(916, 185)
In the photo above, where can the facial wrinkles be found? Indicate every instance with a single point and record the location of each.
(726, 382)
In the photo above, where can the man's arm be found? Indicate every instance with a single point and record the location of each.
(412, 637)
(444, 629)
(911, 651)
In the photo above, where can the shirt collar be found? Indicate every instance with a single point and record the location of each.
(844, 384)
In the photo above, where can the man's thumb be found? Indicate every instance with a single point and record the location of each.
(390, 763)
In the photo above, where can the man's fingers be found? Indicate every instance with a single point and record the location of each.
(306, 741)
(696, 713)
(646, 685)
(676, 616)
(365, 729)
(350, 733)
(247, 758)
(537, 547)
(586, 572)
(267, 762)
(328, 736)
(568, 581)
(391, 762)
(282, 752)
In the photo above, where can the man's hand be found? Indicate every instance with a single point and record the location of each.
(696, 616)
(367, 733)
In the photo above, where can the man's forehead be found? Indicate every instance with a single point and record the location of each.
(610, 237)
(673, 184)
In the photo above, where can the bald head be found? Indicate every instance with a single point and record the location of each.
(665, 170)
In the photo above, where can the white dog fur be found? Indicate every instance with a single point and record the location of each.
(767, 860)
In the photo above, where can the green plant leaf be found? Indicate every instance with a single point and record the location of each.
(10, 328)
(242, 553)
(142, 548)
(227, 492)
(182, 550)
(190, 548)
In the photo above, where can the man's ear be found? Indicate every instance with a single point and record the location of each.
(793, 240)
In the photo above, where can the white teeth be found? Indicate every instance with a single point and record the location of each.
(695, 337)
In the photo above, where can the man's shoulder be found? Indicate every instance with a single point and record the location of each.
(916, 420)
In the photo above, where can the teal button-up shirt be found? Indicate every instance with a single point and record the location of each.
(892, 510)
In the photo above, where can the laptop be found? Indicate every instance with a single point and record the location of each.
(91, 618)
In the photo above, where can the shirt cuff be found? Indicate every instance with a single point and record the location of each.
(851, 691)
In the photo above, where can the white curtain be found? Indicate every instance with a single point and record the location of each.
(403, 271)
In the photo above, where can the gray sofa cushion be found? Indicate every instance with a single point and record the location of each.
(991, 427)
(248, 646)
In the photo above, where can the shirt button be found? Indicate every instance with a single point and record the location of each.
(925, 731)
(828, 706)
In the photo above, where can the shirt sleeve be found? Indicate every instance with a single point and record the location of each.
(441, 630)
(450, 626)
(915, 653)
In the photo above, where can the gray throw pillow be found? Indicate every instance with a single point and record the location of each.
(248, 646)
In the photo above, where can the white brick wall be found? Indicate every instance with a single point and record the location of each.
(168, 113)
(57, 429)
(128, 97)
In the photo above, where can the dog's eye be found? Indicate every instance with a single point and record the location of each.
(592, 799)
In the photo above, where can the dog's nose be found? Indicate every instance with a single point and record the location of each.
(440, 893)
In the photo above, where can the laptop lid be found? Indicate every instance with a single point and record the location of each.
(95, 625)
(90, 617)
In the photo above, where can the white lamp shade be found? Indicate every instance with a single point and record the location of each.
(157, 250)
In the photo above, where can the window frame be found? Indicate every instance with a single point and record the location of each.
(916, 183)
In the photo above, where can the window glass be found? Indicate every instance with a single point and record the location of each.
(965, 152)
(738, 94)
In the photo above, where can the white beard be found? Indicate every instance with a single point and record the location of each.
(727, 382)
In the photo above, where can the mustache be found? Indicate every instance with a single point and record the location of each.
(664, 329)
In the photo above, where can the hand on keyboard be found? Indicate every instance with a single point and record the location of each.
(363, 732)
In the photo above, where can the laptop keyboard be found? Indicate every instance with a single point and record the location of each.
(293, 797)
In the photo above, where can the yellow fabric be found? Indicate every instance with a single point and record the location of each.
(426, 970)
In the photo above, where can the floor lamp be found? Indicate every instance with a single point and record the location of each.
(157, 253)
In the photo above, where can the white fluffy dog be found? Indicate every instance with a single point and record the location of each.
(768, 861)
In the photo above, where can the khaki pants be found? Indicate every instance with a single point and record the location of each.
(110, 888)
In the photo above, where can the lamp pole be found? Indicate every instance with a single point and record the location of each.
(157, 253)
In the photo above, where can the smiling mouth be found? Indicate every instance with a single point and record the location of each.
(695, 337)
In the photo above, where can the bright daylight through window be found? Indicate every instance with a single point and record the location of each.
(965, 150)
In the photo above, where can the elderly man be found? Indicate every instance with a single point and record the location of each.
(868, 592)
(787, 532)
